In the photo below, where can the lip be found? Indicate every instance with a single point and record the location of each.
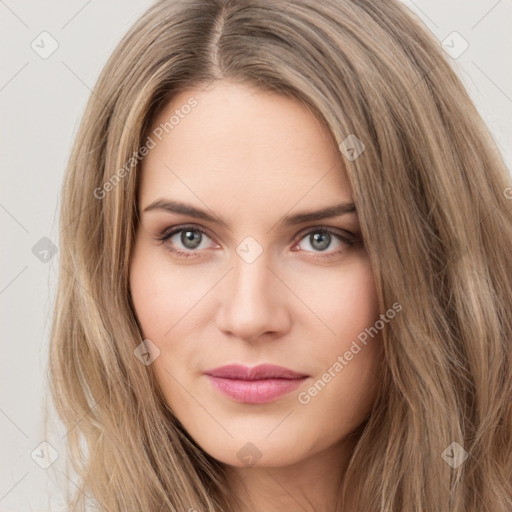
(262, 371)
(257, 385)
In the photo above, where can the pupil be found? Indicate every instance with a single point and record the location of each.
(190, 239)
(320, 241)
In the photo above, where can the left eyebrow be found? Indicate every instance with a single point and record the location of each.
(289, 220)
(325, 213)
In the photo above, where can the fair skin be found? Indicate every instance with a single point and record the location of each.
(251, 158)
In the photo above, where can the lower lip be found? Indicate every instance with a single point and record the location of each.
(255, 391)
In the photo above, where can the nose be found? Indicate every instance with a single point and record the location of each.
(253, 302)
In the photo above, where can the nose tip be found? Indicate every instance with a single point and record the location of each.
(253, 303)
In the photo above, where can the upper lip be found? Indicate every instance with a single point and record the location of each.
(262, 371)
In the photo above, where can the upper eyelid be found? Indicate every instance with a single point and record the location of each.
(176, 229)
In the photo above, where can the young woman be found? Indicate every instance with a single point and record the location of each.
(285, 279)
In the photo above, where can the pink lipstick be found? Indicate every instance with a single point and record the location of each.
(258, 385)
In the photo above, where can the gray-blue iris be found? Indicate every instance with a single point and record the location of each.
(320, 240)
(191, 239)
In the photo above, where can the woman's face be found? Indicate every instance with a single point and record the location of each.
(251, 276)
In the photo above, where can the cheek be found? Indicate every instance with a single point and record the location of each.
(162, 297)
(162, 294)
(348, 350)
(344, 301)
(151, 298)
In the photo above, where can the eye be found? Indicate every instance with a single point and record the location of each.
(320, 240)
(185, 240)
(189, 241)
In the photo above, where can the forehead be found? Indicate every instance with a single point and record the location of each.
(248, 146)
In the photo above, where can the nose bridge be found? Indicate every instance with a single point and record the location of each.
(251, 280)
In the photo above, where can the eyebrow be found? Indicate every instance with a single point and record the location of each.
(289, 220)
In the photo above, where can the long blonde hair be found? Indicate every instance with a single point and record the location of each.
(431, 191)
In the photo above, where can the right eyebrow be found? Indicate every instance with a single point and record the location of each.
(184, 209)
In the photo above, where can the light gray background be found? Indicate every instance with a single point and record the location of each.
(41, 102)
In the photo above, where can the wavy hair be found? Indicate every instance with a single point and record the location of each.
(433, 198)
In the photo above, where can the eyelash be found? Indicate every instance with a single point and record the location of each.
(351, 240)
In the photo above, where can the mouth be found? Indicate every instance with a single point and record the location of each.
(261, 384)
